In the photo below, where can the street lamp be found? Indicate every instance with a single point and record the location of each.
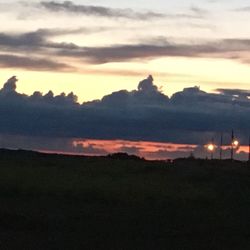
(235, 145)
(211, 148)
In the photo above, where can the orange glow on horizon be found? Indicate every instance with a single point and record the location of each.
(145, 145)
(145, 149)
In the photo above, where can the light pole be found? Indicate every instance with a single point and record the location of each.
(249, 149)
(234, 145)
(232, 148)
(211, 147)
(221, 144)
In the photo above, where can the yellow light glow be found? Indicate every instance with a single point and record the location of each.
(235, 143)
(211, 147)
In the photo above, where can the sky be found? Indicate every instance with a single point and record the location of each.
(101, 51)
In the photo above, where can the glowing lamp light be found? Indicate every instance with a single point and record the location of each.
(211, 147)
(235, 143)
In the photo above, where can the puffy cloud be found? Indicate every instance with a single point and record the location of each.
(191, 116)
(37, 98)
(9, 86)
(147, 85)
(147, 94)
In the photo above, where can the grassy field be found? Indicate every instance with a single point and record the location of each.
(63, 202)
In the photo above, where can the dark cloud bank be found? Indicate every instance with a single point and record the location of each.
(191, 116)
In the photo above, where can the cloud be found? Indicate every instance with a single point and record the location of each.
(232, 49)
(41, 143)
(26, 39)
(199, 11)
(40, 44)
(243, 9)
(148, 150)
(147, 94)
(88, 149)
(241, 93)
(191, 116)
(203, 26)
(9, 86)
(193, 12)
(27, 9)
(99, 11)
(39, 38)
(32, 63)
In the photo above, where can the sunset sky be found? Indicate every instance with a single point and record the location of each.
(98, 47)
(86, 44)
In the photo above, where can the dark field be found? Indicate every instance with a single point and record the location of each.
(59, 202)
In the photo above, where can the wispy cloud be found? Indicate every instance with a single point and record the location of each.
(32, 63)
(40, 43)
(199, 11)
(233, 49)
(40, 37)
(193, 12)
(242, 93)
(91, 10)
(27, 9)
(243, 9)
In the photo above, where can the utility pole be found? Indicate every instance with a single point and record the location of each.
(221, 143)
(232, 146)
(249, 149)
(212, 151)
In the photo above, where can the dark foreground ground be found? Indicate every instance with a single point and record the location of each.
(59, 202)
